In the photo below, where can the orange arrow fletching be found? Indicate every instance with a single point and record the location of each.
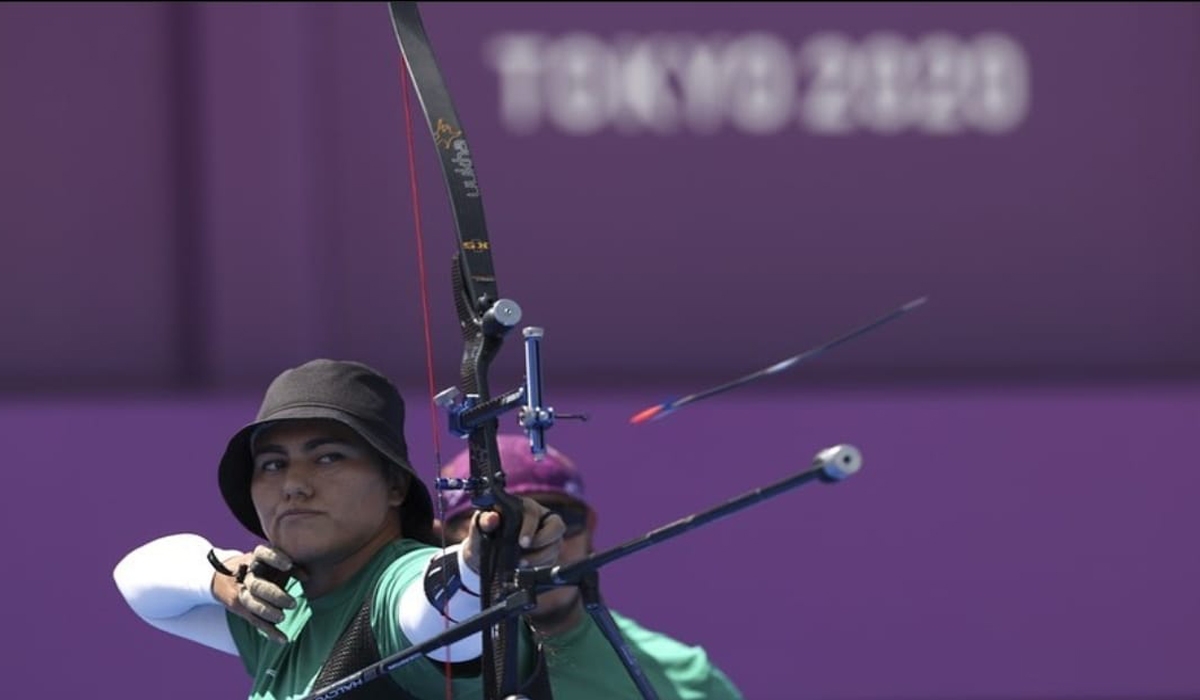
(648, 414)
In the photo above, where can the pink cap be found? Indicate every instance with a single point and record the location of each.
(554, 473)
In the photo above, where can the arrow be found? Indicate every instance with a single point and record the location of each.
(662, 410)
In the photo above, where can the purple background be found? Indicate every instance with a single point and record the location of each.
(196, 196)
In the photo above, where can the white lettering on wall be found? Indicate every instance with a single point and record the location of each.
(759, 84)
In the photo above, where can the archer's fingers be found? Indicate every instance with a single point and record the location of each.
(550, 531)
(541, 556)
(540, 526)
(547, 540)
(269, 592)
(532, 514)
(272, 557)
(257, 607)
(486, 521)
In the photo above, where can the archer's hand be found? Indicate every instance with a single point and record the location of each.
(540, 537)
(252, 594)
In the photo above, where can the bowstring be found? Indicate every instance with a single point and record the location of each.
(415, 194)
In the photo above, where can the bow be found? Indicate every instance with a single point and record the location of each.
(484, 318)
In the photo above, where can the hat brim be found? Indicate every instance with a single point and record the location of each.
(237, 466)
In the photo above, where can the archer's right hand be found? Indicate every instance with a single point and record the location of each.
(255, 592)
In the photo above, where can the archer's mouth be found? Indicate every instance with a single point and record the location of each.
(296, 515)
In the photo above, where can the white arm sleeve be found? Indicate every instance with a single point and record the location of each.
(168, 583)
(419, 619)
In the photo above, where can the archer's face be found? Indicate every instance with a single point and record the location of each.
(321, 493)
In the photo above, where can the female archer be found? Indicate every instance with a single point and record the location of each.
(349, 574)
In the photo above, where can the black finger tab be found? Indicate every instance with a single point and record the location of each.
(265, 571)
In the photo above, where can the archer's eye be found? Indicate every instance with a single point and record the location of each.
(268, 465)
(330, 458)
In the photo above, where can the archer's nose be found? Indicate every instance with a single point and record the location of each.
(297, 482)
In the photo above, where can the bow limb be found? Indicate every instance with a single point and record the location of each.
(484, 319)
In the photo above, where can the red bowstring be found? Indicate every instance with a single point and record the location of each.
(433, 414)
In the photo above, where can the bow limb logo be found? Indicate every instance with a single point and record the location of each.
(449, 137)
(446, 134)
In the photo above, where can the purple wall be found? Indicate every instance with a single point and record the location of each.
(201, 193)
(194, 196)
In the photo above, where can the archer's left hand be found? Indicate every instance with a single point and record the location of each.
(540, 537)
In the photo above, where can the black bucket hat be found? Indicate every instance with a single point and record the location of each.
(350, 393)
